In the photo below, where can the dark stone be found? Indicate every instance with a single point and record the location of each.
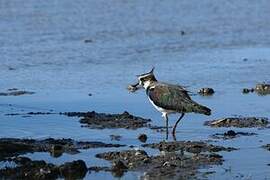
(28, 169)
(206, 91)
(142, 138)
(262, 89)
(73, 170)
(118, 168)
(245, 90)
(88, 40)
(56, 150)
(230, 133)
(11, 68)
(267, 146)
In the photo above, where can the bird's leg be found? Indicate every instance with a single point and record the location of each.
(174, 128)
(166, 123)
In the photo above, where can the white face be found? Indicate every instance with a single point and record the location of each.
(142, 83)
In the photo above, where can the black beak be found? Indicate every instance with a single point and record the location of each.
(133, 87)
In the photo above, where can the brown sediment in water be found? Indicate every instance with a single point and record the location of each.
(28, 169)
(231, 135)
(261, 89)
(169, 164)
(15, 92)
(267, 146)
(10, 147)
(188, 146)
(240, 122)
(96, 120)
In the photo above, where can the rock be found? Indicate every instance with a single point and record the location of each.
(262, 89)
(56, 150)
(88, 41)
(230, 133)
(118, 168)
(267, 146)
(11, 68)
(142, 138)
(206, 91)
(31, 170)
(73, 170)
(240, 122)
(28, 169)
(245, 90)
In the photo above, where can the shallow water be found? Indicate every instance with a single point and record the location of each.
(43, 50)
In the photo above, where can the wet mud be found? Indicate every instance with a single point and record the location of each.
(240, 122)
(231, 135)
(166, 165)
(16, 92)
(94, 120)
(261, 89)
(188, 146)
(267, 147)
(27, 169)
(10, 147)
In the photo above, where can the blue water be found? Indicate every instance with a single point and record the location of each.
(43, 50)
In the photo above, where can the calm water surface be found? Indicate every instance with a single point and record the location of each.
(43, 50)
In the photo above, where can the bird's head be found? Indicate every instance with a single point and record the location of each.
(144, 80)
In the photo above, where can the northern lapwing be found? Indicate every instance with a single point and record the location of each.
(168, 98)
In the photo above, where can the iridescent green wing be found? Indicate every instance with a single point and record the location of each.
(170, 97)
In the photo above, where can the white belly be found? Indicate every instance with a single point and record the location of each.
(160, 109)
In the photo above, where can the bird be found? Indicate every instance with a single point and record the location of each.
(168, 98)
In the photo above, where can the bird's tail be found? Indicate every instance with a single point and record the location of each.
(202, 109)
